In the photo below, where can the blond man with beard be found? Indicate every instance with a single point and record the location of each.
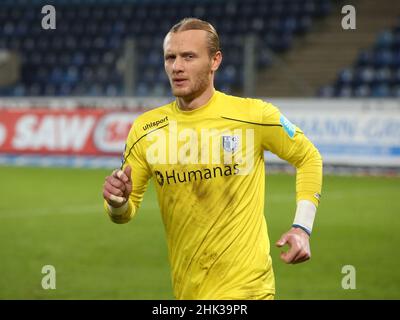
(205, 151)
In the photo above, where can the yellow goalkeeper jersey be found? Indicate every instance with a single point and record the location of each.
(209, 172)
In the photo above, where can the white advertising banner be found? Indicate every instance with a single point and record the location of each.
(348, 132)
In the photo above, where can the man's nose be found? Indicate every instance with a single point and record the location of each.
(177, 65)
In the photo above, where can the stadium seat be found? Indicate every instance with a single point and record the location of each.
(362, 91)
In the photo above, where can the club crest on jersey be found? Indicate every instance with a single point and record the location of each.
(230, 143)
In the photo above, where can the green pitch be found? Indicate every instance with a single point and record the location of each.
(55, 217)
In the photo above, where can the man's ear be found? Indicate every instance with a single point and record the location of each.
(216, 61)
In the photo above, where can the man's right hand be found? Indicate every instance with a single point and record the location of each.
(118, 187)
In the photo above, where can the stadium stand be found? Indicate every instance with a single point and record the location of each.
(315, 58)
(82, 57)
(375, 73)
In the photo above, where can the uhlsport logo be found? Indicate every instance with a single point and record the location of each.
(155, 124)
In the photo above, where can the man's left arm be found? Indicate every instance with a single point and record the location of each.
(288, 142)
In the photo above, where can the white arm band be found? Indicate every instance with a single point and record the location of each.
(118, 211)
(305, 214)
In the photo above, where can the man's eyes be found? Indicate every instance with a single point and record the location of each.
(186, 57)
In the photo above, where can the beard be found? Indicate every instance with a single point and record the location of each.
(194, 88)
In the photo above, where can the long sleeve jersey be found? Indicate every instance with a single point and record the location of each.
(209, 172)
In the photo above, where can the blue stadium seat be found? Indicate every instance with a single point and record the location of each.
(19, 90)
(395, 77)
(112, 90)
(362, 91)
(65, 89)
(344, 92)
(384, 40)
(380, 90)
(396, 91)
(365, 58)
(383, 58)
(346, 77)
(396, 58)
(383, 75)
(326, 91)
(49, 89)
(365, 75)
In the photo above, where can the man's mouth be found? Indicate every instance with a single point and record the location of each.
(179, 81)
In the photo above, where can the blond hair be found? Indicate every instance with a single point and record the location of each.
(196, 24)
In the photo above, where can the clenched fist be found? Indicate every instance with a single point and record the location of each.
(118, 187)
